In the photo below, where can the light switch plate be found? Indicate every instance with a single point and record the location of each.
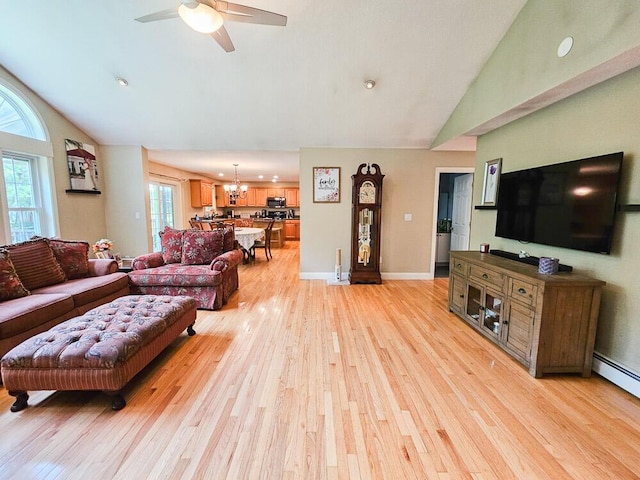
(408, 217)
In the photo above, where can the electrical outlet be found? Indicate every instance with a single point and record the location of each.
(408, 217)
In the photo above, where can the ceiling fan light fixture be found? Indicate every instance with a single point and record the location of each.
(202, 18)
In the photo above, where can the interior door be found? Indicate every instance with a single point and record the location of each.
(461, 214)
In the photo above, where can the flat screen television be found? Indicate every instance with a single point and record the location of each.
(569, 204)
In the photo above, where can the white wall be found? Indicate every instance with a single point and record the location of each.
(127, 199)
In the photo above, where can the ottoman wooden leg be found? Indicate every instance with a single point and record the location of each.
(117, 400)
(21, 400)
(190, 331)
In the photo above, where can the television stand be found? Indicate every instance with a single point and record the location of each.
(546, 322)
(528, 260)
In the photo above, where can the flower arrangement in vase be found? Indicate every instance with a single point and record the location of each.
(102, 248)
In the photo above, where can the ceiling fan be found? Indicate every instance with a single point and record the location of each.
(208, 16)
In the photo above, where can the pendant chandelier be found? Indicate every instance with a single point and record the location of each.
(235, 190)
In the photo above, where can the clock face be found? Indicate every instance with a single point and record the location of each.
(367, 192)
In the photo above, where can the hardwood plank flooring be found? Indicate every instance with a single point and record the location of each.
(301, 380)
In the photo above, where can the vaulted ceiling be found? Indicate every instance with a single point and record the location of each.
(198, 108)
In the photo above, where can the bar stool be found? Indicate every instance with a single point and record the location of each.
(276, 236)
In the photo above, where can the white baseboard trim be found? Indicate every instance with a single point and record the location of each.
(407, 276)
(616, 373)
(318, 275)
(385, 276)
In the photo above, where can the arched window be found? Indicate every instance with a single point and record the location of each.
(17, 117)
(26, 172)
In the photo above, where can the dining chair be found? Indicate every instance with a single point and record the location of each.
(193, 223)
(223, 224)
(266, 243)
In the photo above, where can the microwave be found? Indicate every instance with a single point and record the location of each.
(276, 202)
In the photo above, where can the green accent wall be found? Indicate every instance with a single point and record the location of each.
(596, 120)
(524, 71)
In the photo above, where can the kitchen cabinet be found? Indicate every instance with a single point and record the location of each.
(292, 229)
(257, 197)
(275, 192)
(261, 197)
(221, 200)
(201, 193)
(546, 322)
(292, 196)
(249, 200)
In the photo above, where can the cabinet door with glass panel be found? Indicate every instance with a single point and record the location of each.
(484, 309)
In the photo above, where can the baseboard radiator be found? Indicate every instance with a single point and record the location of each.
(616, 373)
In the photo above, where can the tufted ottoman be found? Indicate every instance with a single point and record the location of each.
(100, 350)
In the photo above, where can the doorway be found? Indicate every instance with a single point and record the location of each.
(452, 215)
(162, 199)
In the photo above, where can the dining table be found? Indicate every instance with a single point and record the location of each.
(246, 237)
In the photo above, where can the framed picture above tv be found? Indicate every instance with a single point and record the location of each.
(491, 182)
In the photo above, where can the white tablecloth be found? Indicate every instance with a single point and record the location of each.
(246, 236)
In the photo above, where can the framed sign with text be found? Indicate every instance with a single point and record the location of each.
(326, 184)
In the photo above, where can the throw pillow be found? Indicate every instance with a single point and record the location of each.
(10, 285)
(35, 263)
(73, 257)
(200, 247)
(171, 241)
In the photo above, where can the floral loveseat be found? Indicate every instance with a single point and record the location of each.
(196, 263)
(44, 282)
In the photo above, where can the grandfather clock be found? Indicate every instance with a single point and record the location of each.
(365, 228)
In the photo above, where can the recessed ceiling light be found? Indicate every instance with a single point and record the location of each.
(369, 84)
(122, 81)
(221, 174)
(565, 47)
(275, 176)
(260, 177)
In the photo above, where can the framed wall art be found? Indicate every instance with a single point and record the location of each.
(326, 184)
(83, 167)
(491, 182)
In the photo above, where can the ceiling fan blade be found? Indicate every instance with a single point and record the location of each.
(242, 13)
(222, 37)
(162, 15)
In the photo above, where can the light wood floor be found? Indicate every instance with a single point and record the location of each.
(300, 379)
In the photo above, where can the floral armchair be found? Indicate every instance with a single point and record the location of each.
(196, 263)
